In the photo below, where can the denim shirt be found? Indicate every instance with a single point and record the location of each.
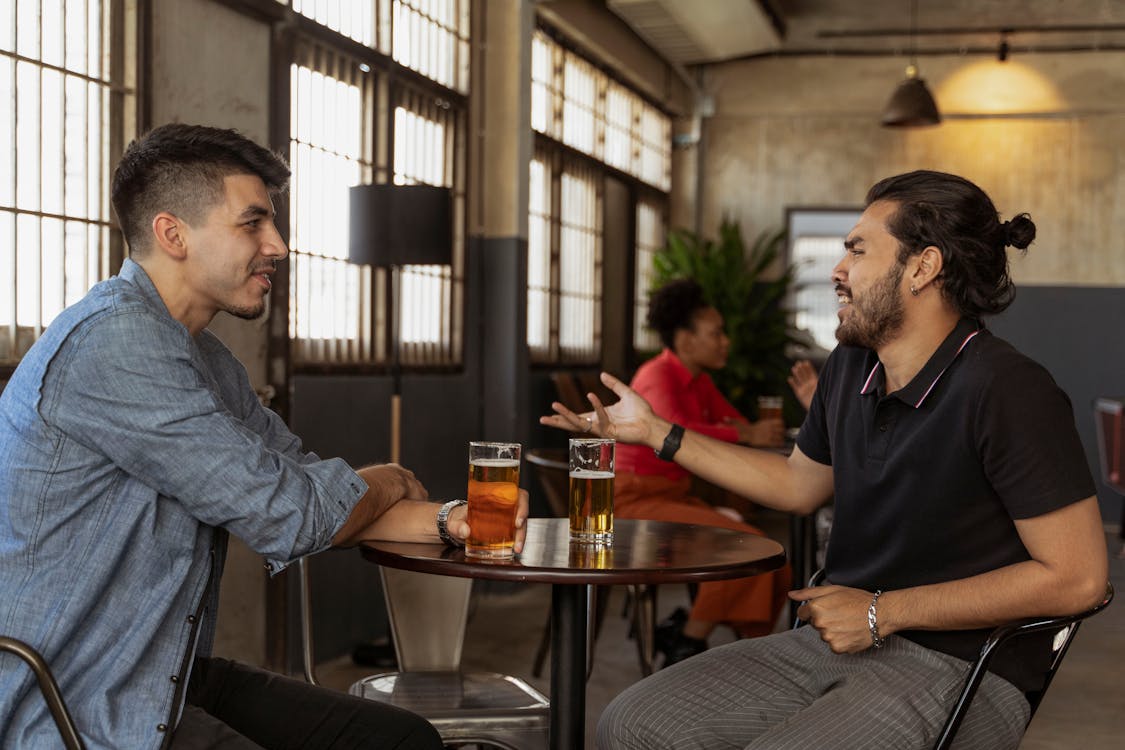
(128, 449)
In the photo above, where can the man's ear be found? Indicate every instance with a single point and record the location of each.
(170, 235)
(927, 267)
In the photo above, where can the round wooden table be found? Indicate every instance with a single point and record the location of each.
(652, 552)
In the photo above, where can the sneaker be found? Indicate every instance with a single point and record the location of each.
(669, 629)
(683, 647)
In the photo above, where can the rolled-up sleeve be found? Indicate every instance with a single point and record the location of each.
(133, 386)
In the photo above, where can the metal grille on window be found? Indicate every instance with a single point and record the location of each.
(432, 37)
(650, 239)
(330, 299)
(425, 147)
(57, 121)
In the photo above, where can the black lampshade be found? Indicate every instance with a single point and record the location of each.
(911, 105)
(400, 225)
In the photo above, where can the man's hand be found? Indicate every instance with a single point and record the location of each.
(393, 483)
(387, 484)
(458, 522)
(630, 420)
(839, 614)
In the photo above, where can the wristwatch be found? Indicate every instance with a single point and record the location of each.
(671, 443)
(443, 523)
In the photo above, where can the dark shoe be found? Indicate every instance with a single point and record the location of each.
(684, 647)
(669, 629)
(377, 653)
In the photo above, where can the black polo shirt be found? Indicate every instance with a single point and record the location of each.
(929, 479)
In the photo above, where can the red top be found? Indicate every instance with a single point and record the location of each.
(674, 394)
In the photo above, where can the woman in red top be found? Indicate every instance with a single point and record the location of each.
(677, 385)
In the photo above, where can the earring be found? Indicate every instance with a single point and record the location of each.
(913, 290)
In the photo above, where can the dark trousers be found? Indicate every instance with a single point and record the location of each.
(232, 706)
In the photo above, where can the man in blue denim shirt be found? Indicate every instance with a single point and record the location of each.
(131, 443)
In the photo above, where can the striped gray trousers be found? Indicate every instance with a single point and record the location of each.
(788, 691)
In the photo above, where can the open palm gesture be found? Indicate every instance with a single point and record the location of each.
(630, 420)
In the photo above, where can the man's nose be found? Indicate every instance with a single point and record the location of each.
(274, 246)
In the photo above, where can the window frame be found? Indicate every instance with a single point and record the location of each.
(390, 77)
(118, 85)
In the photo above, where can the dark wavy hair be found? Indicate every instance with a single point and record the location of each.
(180, 169)
(673, 306)
(958, 218)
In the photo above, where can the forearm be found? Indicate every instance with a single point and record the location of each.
(766, 477)
(405, 521)
(1026, 589)
(1066, 574)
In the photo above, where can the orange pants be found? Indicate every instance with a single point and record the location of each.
(749, 605)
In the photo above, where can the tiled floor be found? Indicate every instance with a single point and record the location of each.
(1085, 707)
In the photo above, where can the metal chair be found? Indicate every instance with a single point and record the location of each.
(1065, 628)
(428, 615)
(49, 688)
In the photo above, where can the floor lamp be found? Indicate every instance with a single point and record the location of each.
(392, 226)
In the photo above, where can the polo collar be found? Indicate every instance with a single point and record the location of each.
(915, 392)
(679, 369)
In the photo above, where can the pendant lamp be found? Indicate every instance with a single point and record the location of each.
(911, 105)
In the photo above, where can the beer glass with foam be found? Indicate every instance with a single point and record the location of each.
(591, 490)
(494, 480)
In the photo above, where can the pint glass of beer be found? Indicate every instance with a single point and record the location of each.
(769, 407)
(494, 480)
(591, 490)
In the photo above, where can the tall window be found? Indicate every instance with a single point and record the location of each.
(430, 306)
(577, 105)
(329, 298)
(650, 239)
(355, 119)
(564, 261)
(65, 102)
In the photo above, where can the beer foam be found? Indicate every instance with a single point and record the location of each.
(589, 474)
(495, 463)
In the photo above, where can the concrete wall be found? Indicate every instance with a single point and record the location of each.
(1043, 134)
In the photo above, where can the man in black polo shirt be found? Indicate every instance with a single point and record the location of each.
(962, 501)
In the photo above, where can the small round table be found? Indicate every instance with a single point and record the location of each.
(650, 552)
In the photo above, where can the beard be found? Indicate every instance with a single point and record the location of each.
(877, 315)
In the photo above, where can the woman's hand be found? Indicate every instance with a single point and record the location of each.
(802, 379)
(630, 420)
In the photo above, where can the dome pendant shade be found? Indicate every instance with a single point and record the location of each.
(911, 105)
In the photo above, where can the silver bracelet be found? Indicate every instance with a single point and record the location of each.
(873, 623)
(443, 523)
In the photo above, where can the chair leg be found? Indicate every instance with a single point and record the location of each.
(541, 651)
(644, 625)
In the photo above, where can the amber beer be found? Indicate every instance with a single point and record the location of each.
(591, 490)
(494, 477)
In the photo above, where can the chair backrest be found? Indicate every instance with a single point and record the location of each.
(428, 615)
(552, 469)
(49, 688)
(569, 392)
(1064, 628)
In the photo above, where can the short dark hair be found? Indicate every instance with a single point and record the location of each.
(958, 218)
(673, 306)
(180, 169)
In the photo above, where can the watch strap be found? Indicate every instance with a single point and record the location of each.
(443, 523)
(671, 443)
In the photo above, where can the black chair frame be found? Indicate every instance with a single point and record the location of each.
(997, 638)
(49, 688)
